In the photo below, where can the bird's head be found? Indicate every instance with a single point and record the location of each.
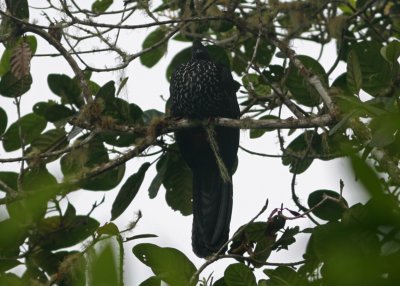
(199, 52)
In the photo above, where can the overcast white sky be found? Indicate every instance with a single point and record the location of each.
(255, 180)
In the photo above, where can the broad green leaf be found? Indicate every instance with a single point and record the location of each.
(10, 86)
(264, 53)
(40, 107)
(287, 238)
(220, 282)
(32, 42)
(383, 137)
(7, 264)
(152, 281)
(297, 151)
(356, 248)
(152, 57)
(128, 191)
(104, 268)
(55, 232)
(3, 121)
(10, 279)
(367, 176)
(31, 126)
(329, 210)
(57, 112)
(66, 88)
(19, 8)
(374, 69)
(10, 179)
(178, 183)
(354, 76)
(49, 140)
(384, 130)
(161, 167)
(274, 73)
(391, 52)
(5, 62)
(300, 88)
(168, 264)
(256, 133)
(107, 92)
(10, 243)
(239, 274)
(284, 275)
(41, 186)
(109, 229)
(101, 5)
(89, 156)
(50, 261)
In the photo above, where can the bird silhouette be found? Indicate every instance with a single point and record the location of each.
(203, 88)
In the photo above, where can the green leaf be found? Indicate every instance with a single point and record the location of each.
(13, 87)
(109, 229)
(101, 5)
(284, 275)
(32, 42)
(168, 264)
(384, 129)
(89, 156)
(178, 183)
(11, 279)
(256, 133)
(274, 73)
(31, 126)
(391, 52)
(264, 53)
(10, 179)
(152, 281)
(42, 186)
(18, 8)
(159, 178)
(367, 176)
(66, 88)
(122, 84)
(152, 57)
(3, 121)
(5, 61)
(57, 112)
(374, 69)
(297, 151)
(107, 92)
(329, 210)
(10, 243)
(104, 268)
(55, 232)
(356, 248)
(128, 191)
(239, 274)
(50, 139)
(354, 76)
(7, 264)
(300, 88)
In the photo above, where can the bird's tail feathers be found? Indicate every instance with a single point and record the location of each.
(212, 209)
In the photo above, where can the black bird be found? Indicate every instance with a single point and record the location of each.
(203, 88)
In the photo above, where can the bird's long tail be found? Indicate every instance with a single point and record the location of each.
(212, 209)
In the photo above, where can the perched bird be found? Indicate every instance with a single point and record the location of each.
(203, 88)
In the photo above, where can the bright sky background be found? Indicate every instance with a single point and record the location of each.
(256, 179)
